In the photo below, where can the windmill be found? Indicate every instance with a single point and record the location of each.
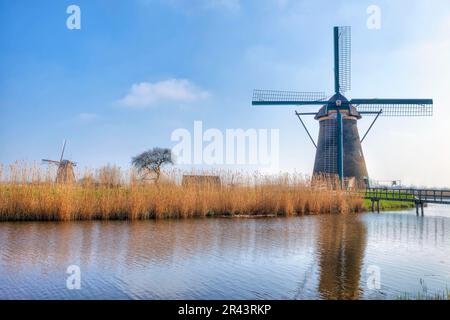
(339, 151)
(65, 168)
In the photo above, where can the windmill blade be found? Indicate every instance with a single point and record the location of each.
(342, 58)
(62, 152)
(274, 97)
(51, 161)
(395, 107)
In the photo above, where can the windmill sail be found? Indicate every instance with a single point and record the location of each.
(343, 59)
(395, 107)
(51, 161)
(62, 152)
(274, 97)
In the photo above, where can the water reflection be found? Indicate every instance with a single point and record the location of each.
(282, 258)
(341, 245)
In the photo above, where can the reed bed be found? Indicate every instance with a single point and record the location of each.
(27, 192)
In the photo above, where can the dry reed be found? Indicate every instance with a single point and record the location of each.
(29, 193)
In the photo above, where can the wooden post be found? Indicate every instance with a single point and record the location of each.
(421, 208)
(417, 209)
(378, 206)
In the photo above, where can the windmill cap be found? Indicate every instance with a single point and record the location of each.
(337, 97)
(337, 100)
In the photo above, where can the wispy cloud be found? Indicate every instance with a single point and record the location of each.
(146, 94)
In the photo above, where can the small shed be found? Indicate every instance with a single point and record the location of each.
(201, 180)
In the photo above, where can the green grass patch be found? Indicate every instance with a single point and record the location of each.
(389, 205)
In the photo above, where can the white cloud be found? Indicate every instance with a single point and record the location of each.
(146, 94)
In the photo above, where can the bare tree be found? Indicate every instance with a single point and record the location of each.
(150, 162)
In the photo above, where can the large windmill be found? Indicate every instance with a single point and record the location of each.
(65, 172)
(339, 149)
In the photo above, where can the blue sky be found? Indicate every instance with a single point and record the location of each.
(201, 60)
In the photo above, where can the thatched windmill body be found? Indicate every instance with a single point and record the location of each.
(65, 172)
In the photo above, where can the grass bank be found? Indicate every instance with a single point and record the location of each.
(386, 205)
(28, 193)
(391, 204)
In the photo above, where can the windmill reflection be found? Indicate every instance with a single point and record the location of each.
(341, 246)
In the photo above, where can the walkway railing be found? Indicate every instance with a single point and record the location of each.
(418, 196)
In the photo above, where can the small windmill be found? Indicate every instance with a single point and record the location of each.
(339, 149)
(65, 172)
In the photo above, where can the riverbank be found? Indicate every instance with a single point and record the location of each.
(73, 202)
(27, 193)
